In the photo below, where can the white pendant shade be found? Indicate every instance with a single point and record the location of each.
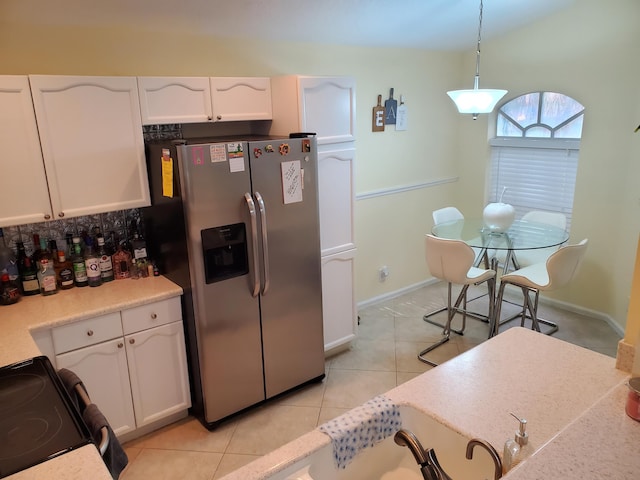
(476, 100)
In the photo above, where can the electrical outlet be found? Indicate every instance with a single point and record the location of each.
(383, 273)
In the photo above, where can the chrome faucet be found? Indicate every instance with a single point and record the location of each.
(492, 451)
(429, 465)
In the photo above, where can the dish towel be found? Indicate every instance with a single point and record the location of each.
(115, 457)
(362, 427)
(70, 380)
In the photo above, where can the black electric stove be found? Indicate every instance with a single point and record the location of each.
(37, 420)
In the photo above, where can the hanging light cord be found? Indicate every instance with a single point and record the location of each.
(476, 80)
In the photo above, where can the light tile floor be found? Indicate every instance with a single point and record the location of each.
(383, 356)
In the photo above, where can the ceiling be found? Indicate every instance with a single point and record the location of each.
(429, 24)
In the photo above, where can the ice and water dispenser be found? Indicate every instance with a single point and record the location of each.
(225, 252)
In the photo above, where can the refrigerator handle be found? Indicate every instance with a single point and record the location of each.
(254, 243)
(265, 243)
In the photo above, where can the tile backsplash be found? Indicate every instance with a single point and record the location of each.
(118, 222)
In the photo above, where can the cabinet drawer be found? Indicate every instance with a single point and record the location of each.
(86, 332)
(151, 315)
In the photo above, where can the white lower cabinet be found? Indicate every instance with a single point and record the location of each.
(158, 372)
(338, 299)
(104, 371)
(132, 362)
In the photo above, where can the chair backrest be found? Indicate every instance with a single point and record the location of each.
(563, 264)
(549, 218)
(449, 260)
(447, 214)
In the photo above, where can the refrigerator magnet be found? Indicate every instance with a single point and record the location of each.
(257, 152)
(218, 153)
(234, 150)
(284, 149)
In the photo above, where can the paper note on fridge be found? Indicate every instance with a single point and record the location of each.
(291, 182)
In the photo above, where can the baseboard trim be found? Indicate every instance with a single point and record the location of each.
(570, 307)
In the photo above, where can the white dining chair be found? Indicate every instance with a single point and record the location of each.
(446, 214)
(452, 261)
(559, 269)
(532, 256)
(452, 214)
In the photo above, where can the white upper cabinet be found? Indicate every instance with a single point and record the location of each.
(174, 100)
(241, 98)
(91, 137)
(202, 99)
(24, 196)
(325, 106)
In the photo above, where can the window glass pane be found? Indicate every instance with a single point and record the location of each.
(572, 129)
(556, 108)
(523, 109)
(505, 128)
(538, 132)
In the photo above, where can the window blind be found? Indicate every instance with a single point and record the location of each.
(536, 178)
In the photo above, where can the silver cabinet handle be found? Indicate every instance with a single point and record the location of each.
(254, 241)
(132, 341)
(154, 316)
(47, 217)
(120, 345)
(61, 214)
(265, 243)
(90, 333)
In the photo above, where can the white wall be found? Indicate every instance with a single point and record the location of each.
(588, 51)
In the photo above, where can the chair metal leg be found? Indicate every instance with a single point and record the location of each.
(529, 311)
(446, 332)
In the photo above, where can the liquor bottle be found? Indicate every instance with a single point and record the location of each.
(43, 253)
(121, 263)
(139, 247)
(64, 271)
(47, 277)
(79, 268)
(9, 291)
(8, 260)
(106, 264)
(92, 263)
(37, 251)
(28, 275)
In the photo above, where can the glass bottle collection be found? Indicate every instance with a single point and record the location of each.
(85, 261)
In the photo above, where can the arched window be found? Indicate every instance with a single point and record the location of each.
(535, 153)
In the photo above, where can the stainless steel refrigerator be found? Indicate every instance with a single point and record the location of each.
(243, 215)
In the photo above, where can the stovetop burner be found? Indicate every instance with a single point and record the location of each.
(37, 421)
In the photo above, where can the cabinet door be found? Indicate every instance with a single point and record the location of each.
(328, 108)
(174, 100)
(24, 196)
(338, 299)
(103, 370)
(336, 200)
(241, 98)
(91, 137)
(158, 372)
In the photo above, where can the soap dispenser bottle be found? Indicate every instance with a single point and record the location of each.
(517, 449)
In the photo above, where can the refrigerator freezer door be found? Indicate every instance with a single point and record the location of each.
(215, 178)
(292, 304)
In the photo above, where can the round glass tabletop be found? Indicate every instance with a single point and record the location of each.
(522, 235)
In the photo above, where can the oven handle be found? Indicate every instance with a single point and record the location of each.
(104, 440)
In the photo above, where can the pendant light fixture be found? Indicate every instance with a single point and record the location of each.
(476, 100)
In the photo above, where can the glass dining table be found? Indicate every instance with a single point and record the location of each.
(521, 235)
(503, 247)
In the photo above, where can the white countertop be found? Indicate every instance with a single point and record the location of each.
(35, 313)
(572, 398)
